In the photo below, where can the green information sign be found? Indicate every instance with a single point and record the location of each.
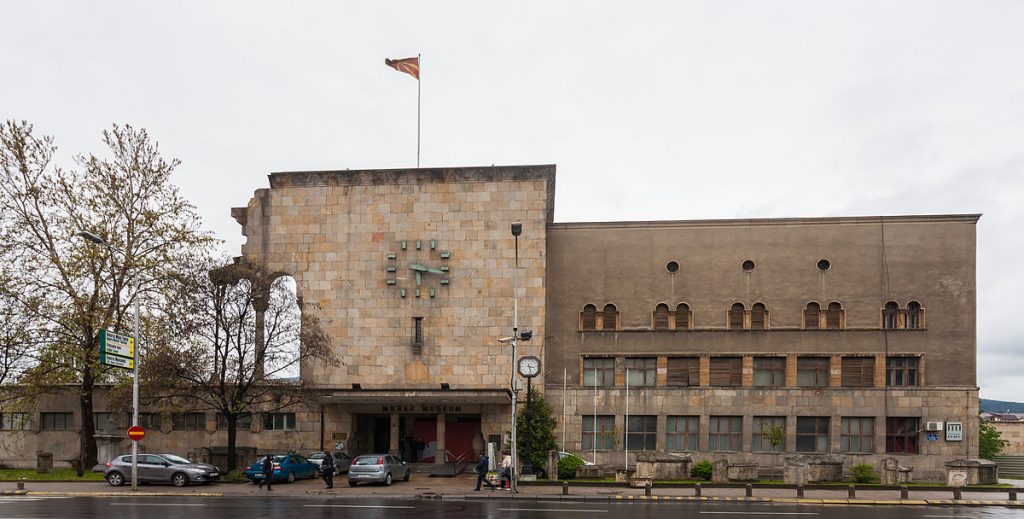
(117, 350)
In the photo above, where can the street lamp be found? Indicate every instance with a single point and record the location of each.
(135, 368)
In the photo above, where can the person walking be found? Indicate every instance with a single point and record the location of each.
(327, 470)
(506, 469)
(268, 472)
(482, 464)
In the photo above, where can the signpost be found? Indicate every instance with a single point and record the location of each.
(117, 350)
(136, 433)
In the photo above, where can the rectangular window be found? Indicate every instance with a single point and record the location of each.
(683, 371)
(726, 371)
(242, 423)
(901, 371)
(189, 421)
(150, 421)
(603, 435)
(858, 371)
(55, 421)
(279, 421)
(598, 372)
(857, 434)
(812, 371)
(417, 335)
(901, 435)
(642, 433)
(762, 434)
(105, 421)
(812, 433)
(641, 371)
(725, 433)
(681, 433)
(13, 421)
(769, 371)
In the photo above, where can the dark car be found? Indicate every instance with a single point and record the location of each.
(287, 467)
(160, 468)
(377, 468)
(341, 461)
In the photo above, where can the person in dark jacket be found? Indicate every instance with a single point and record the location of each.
(482, 464)
(327, 470)
(268, 472)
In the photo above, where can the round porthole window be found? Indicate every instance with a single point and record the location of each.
(824, 264)
(672, 267)
(747, 266)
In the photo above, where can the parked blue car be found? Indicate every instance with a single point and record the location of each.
(287, 467)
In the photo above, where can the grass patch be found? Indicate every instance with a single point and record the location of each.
(56, 475)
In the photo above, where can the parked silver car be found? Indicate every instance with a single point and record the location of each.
(342, 461)
(160, 468)
(377, 468)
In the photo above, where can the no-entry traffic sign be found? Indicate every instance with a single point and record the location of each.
(136, 433)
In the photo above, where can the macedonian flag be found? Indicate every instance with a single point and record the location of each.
(410, 66)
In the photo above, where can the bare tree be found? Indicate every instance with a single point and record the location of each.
(72, 287)
(243, 354)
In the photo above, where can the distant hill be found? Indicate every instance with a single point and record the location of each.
(999, 406)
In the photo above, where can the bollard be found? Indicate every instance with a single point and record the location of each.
(696, 490)
(647, 490)
(21, 485)
(800, 491)
(904, 492)
(852, 492)
(1013, 494)
(565, 488)
(750, 490)
(956, 493)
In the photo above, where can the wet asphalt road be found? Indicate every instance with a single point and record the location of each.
(282, 507)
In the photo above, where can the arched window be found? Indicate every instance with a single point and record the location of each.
(588, 318)
(736, 316)
(758, 317)
(891, 316)
(610, 321)
(915, 316)
(683, 317)
(834, 316)
(811, 316)
(661, 317)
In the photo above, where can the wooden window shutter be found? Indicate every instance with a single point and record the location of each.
(858, 371)
(611, 318)
(811, 316)
(588, 318)
(683, 371)
(661, 317)
(683, 317)
(736, 317)
(758, 317)
(834, 319)
(726, 371)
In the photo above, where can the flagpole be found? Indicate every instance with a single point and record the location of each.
(419, 81)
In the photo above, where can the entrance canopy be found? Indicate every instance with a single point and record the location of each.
(418, 396)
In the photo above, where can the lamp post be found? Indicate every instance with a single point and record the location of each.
(517, 229)
(135, 368)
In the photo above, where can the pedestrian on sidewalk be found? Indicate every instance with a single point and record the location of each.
(505, 469)
(482, 464)
(327, 470)
(268, 472)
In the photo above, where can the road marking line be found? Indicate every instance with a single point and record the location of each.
(763, 513)
(356, 506)
(546, 510)
(157, 504)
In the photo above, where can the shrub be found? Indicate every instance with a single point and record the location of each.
(567, 467)
(701, 470)
(864, 473)
(235, 476)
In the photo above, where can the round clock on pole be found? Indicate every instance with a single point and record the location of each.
(529, 366)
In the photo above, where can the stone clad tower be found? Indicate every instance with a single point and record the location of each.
(410, 273)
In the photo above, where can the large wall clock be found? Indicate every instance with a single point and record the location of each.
(418, 268)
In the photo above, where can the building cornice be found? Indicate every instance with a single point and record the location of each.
(768, 222)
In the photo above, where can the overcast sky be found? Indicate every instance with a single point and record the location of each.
(651, 111)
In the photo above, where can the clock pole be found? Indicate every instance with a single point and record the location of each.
(517, 229)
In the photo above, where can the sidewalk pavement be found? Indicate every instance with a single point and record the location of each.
(461, 487)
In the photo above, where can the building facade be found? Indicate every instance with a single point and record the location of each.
(852, 337)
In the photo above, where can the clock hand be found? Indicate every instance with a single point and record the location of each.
(421, 268)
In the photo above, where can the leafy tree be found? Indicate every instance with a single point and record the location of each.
(69, 287)
(990, 441)
(775, 434)
(535, 431)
